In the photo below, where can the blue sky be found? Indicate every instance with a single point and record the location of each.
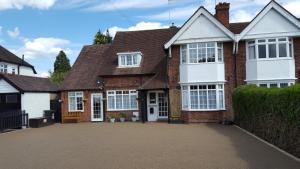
(39, 29)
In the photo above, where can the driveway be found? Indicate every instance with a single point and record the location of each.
(138, 146)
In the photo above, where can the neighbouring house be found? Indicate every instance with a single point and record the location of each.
(184, 74)
(20, 89)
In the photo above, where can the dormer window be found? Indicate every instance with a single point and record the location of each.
(3, 68)
(131, 59)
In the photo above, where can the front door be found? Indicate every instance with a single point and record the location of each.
(96, 107)
(157, 106)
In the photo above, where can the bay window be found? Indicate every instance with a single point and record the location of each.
(75, 101)
(207, 52)
(203, 97)
(275, 84)
(272, 48)
(122, 100)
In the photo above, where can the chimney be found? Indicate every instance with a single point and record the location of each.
(222, 13)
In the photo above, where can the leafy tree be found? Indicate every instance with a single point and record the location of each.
(101, 38)
(61, 68)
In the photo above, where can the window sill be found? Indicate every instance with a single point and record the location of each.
(111, 110)
(202, 63)
(202, 110)
(270, 59)
(74, 111)
(124, 67)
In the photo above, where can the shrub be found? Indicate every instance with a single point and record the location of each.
(272, 114)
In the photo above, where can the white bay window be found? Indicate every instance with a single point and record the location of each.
(206, 52)
(122, 100)
(271, 48)
(203, 97)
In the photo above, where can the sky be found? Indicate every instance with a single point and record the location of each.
(39, 29)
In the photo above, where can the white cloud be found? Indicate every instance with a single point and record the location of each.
(44, 74)
(14, 33)
(43, 47)
(242, 16)
(126, 4)
(20, 4)
(139, 26)
(293, 7)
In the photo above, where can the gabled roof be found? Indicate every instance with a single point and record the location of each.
(190, 21)
(29, 83)
(84, 71)
(7, 56)
(271, 5)
(148, 42)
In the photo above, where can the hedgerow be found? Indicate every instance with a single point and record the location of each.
(272, 114)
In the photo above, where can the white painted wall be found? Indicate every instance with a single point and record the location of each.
(202, 28)
(27, 71)
(6, 87)
(202, 72)
(272, 23)
(35, 103)
(270, 69)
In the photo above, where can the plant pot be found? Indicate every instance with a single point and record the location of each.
(112, 120)
(133, 119)
(122, 119)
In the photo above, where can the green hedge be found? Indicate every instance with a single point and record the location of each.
(272, 114)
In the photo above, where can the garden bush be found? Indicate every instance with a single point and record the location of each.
(272, 114)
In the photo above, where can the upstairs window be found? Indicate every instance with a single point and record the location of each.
(3, 68)
(273, 48)
(208, 52)
(129, 59)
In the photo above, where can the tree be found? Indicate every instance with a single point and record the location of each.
(61, 68)
(101, 38)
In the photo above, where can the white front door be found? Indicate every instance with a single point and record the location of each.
(96, 107)
(157, 105)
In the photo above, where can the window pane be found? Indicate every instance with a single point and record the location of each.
(211, 57)
(220, 52)
(262, 51)
(135, 62)
(201, 55)
(72, 104)
(129, 59)
(291, 50)
(133, 101)
(111, 102)
(126, 104)
(123, 60)
(194, 99)
(221, 101)
(118, 101)
(212, 101)
(185, 100)
(193, 55)
(263, 85)
(203, 99)
(252, 54)
(183, 53)
(282, 85)
(282, 50)
(273, 85)
(79, 103)
(272, 50)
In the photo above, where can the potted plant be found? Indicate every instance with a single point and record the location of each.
(123, 117)
(133, 118)
(112, 118)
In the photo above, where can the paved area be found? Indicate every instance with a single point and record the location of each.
(138, 146)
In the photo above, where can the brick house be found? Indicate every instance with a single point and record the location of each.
(184, 74)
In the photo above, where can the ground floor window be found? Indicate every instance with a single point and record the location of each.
(274, 84)
(122, 100)
(75, 101)
(203, 97)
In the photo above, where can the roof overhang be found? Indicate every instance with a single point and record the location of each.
(190, 21)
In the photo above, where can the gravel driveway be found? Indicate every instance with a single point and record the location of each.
(138, 146)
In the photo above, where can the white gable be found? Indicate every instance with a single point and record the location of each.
(201, 28)
(273, 22)
(6, 87)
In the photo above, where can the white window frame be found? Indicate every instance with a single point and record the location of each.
(216, 47)
(219, 87)
(3, 68)
(138, 56)
(288, 42)
(76, 95)
(113, 93)
(278, 83)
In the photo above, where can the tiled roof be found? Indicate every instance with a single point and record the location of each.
(238, 27)
(29, 83)
(9, 57)
(84, 71)
(149, 42)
